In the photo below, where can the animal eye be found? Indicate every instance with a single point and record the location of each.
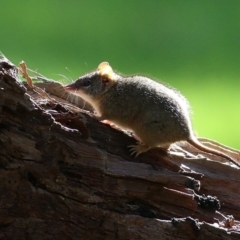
(86, 83)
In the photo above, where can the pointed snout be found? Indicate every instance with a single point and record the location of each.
(70, 87)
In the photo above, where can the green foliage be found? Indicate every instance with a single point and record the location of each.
(192, 45)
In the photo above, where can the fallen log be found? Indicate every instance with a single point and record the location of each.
(65, 175)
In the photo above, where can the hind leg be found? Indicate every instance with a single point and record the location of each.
(148, 139)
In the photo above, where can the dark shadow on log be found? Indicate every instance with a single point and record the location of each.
(64, 175)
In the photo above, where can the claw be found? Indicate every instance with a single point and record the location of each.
(133, 150)
(138, 149)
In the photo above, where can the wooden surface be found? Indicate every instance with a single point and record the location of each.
(64, 175)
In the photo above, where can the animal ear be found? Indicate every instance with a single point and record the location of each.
(105, 71)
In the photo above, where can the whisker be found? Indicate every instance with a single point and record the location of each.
(65, 77)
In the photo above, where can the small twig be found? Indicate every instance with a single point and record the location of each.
(23, 70)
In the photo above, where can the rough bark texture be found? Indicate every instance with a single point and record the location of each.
(64, 175)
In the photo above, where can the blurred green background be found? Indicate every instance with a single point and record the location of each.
(193, 45)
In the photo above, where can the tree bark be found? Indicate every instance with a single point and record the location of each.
(65, 175)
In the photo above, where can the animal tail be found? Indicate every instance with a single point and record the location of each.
(194, 142)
